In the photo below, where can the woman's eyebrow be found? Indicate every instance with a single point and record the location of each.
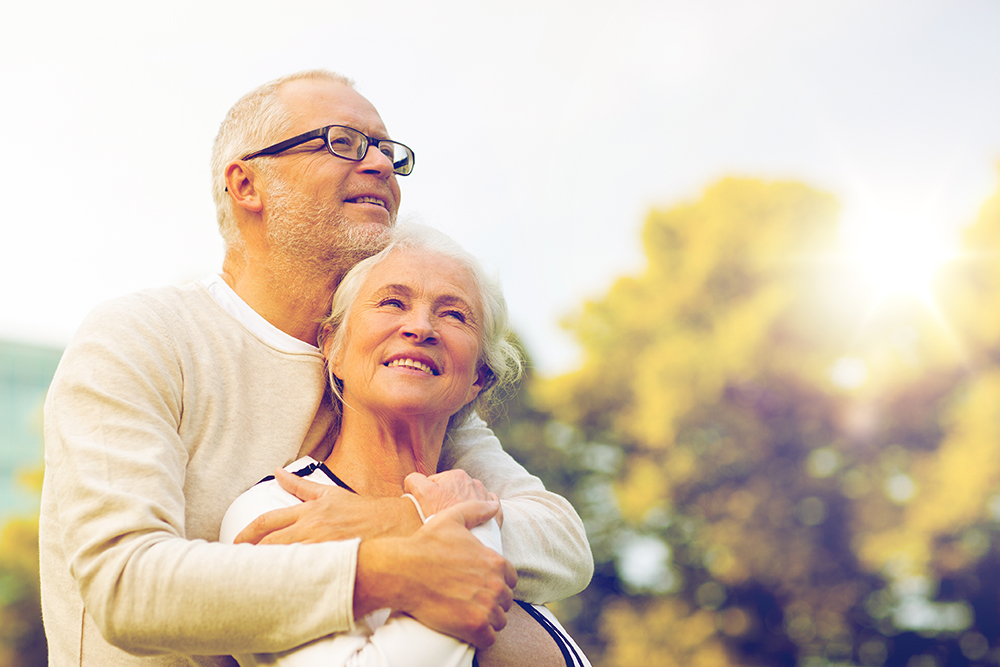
(393, 289)
(453, 301)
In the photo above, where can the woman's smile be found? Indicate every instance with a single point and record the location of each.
(416, 364)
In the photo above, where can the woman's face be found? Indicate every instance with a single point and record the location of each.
(413, 338)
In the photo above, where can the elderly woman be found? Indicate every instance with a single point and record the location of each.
(417, 339)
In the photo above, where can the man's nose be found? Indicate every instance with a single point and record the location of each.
(376, 162)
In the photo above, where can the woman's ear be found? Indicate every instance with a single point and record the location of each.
(326, 335)
(334, 358)
(483, 381)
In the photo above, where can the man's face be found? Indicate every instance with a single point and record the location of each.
(313, 198)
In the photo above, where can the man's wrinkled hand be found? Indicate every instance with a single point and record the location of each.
(329, 513)
(459, 587)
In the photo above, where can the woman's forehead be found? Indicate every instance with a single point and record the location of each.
(423, 272)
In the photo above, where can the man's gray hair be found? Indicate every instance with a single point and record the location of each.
(498, 356)
(257, 120)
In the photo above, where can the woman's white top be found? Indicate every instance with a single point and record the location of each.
(383, 638)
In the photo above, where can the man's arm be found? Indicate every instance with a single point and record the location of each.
(116, 516)
(543, 536)
(328, 512)
(439, 573)
(401, 640)
(437, 576)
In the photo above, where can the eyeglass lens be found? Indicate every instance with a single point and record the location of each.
(351, 144)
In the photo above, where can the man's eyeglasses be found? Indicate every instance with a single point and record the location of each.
(350, 144)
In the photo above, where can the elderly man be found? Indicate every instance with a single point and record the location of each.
(171, 402)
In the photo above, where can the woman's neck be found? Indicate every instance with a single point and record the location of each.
(373, 456)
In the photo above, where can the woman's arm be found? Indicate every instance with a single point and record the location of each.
(544, 537)
(526, 642)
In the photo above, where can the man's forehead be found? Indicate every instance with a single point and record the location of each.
(318, 102)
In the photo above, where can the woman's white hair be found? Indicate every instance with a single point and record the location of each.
(499, 358)
(258, 119)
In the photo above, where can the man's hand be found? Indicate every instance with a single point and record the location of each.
(442, 576)
(329, 513)
(445, 489)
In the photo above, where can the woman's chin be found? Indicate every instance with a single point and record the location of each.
(417, 408)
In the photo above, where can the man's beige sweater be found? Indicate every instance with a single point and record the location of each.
(163, 410)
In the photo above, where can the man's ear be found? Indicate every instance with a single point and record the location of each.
(240, 183)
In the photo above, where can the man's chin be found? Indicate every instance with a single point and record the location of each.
(364, 239)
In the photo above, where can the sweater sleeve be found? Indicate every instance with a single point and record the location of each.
(543, 536)
(116, 473)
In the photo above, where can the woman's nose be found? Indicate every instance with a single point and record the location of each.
(419, 326)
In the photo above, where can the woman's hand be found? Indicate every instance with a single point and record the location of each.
(444, 489)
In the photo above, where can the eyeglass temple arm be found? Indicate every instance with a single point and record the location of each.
(288, 143)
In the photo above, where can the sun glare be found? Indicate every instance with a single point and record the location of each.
(901, 257)
(890, 290)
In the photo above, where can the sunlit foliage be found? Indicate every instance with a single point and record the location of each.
(22, 637)
(808, 469)
(22, 640)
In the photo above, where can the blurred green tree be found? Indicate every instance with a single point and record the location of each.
(22, 637)
(804, 473)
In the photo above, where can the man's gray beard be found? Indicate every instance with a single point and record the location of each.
(310, 239)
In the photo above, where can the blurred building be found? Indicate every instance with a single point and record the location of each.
(25, 374)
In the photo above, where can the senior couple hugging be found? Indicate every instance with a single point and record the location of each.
(401, 533)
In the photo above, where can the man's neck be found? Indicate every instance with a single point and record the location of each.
(294, 303)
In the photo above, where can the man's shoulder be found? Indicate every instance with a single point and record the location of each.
(175, 307)
(155, 322)
(166, 299)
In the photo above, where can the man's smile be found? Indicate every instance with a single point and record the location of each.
(367, 199)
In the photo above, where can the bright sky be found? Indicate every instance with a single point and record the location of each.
(544, 129)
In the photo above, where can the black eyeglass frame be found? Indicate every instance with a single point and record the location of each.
(324, 133)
